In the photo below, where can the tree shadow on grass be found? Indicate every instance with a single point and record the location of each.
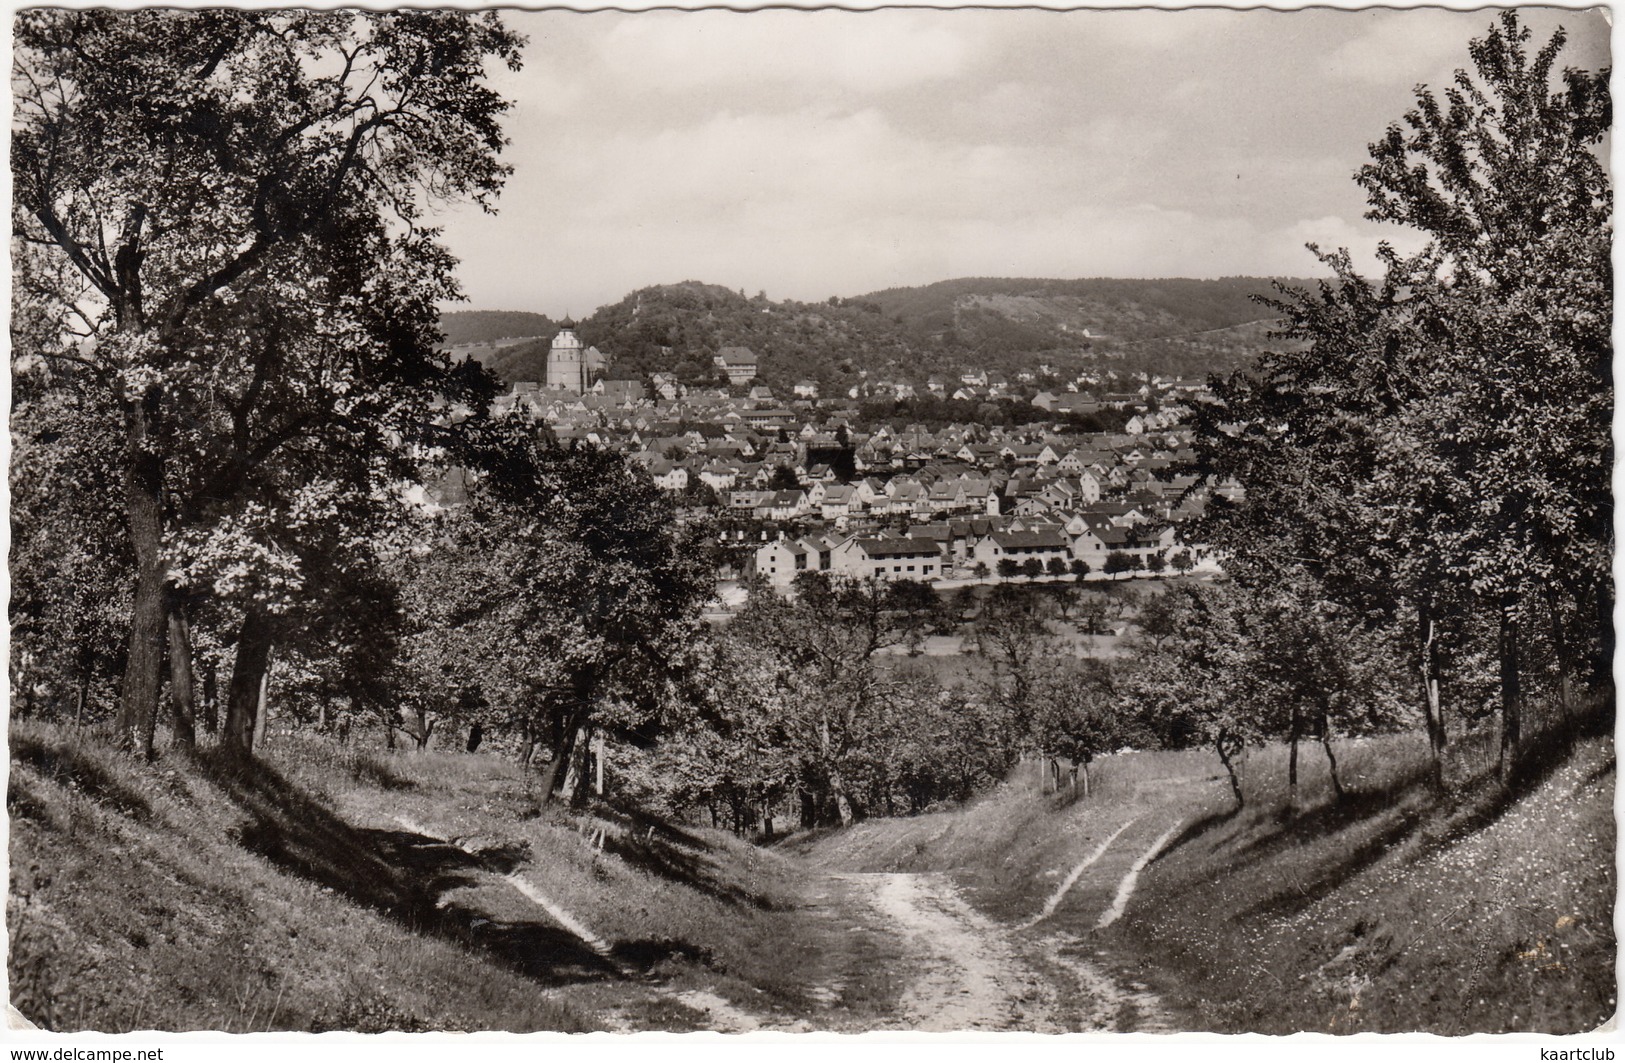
(401, 874)
(1199, 827)
(659, 848)
(64, 763)
(1420, 821)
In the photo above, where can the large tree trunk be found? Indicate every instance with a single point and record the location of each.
(1602, 662)
(1432, 706)
(1511, 696)
(528, 750)
(143, 503)
(83, 693)
(1331, 761)
(843, 802)
(1560, 652)
(247, 679)
(181, 694)
(573, 791)
(563, 749)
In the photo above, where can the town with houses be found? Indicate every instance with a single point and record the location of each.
(800, 483)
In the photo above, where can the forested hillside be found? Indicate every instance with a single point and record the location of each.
(1175, 327)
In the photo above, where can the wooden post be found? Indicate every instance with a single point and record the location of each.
(598, 764)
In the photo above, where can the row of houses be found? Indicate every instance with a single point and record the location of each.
(965, 548)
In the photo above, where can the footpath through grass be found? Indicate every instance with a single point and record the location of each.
(1386, 909)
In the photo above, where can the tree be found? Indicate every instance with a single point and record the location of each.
(1183, 562)
(563, 594)
(70, 559)
(1078, 717)
(1191, 689)
(834, 703)
(1118, 561)
(1508, 182)
(783, 479)
(1440, 447)
(1014, 634)
(168, 165)
(1009, 568)
(1056, 566)
(1032, 568)
(1080, 568)
(919, 611)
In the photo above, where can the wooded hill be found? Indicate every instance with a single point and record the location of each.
(1174, 327)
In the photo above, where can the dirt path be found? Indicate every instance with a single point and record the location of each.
(969, 974)
(959, 969)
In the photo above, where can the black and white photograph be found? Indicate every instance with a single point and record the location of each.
(914, 521)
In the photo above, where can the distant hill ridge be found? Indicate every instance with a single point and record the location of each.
(1172, 326)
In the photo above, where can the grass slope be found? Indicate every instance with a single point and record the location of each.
(1385, 910)
(337, 888)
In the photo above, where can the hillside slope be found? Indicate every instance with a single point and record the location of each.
(1173, 327)
(339, 888)
(1386, 910)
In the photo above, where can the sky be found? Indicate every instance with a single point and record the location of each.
(816, 153)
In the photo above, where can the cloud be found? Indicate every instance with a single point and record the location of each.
(830, 51)
(1360, 239)
(820, 153)
(1420, 46)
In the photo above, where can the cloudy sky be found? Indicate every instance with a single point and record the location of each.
(818, 153)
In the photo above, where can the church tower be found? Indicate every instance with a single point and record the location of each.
(566, 361)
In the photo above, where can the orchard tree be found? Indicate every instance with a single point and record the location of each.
(1507, 179)
(1118, 561)
(1014, 634)
(563, 592)
(168, 166)
(1440, 446)
(1192, 689)
(822, 646)
(1079, 718)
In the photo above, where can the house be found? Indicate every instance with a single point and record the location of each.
(720, 477)
(838, 502)
(782, 560)
(744, 500)
(668, 475)
(620, 392)
(806, 389)
(740, 363)
(1021, 546)
(666, 386)
(780, 505)
(1075, 403)
(889, 558)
